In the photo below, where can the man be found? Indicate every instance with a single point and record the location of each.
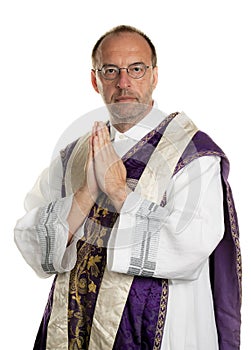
(137, 221)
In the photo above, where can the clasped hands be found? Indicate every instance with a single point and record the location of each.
(105, 171)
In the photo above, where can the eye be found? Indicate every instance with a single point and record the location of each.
(136, 68)
(109, 71)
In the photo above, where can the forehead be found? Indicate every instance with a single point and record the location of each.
(124, 48)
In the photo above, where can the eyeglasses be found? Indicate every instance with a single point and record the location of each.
(134, 70)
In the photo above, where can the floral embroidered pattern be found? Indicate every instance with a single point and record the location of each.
(86, 277)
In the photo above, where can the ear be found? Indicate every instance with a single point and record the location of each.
(94, 81)
(155, 77)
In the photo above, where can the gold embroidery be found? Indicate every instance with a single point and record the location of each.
(162, 316)
(88, 272)
(186, 161)
(235, 235)
(92, 266)
(92, 287)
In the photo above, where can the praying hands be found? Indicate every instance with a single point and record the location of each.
(105, 171)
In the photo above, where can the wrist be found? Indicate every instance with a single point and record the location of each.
(118, 196)
(84, 200)
(81, 206)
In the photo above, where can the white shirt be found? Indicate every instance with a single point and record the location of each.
(184, 233)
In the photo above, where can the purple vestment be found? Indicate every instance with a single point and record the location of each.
(142, 322)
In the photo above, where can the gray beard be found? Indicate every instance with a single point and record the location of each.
(127, 113)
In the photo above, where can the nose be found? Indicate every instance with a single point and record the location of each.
(123, 79)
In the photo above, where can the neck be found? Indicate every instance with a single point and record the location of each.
(123, 127)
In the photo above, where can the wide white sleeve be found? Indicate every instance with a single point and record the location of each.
(41, 234)
(173, 241)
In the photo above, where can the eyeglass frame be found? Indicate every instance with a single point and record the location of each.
(120, 68)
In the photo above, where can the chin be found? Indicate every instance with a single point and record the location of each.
(128, 112)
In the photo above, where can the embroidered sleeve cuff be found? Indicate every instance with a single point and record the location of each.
(134, 242)
(52, 230)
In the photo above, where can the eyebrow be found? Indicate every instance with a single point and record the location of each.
(114, 65)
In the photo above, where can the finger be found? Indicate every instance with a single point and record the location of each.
(95, 146)
(101, 133)
(90, 154)
(106, 134)
(94, 129)
(102, 127)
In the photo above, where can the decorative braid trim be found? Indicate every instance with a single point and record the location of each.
(162, 316)
(235, 235)
(189, 159)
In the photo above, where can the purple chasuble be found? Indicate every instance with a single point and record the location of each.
(225, 261)
(142, 322)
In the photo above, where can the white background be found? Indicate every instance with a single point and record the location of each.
(204, 70)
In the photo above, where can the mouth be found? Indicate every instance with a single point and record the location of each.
(124, 99)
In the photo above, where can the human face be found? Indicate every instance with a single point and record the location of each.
(122, 50)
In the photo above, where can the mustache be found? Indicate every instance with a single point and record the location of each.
(124, 92)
